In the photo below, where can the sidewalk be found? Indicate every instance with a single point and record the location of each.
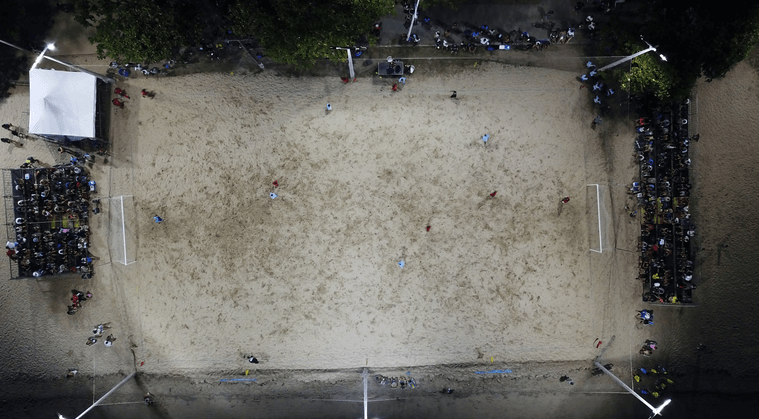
(504, 17)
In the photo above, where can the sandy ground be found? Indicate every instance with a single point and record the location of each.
(310, 281)
(311, 278)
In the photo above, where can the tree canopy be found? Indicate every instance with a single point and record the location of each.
(647, 74)
(292, 31)
(300, 32)
(698, 38)
(139, 30)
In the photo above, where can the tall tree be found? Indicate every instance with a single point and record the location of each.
(699, 39)
(139, 30)
(301, 31)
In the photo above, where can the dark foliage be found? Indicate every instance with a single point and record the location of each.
(141, 30)
(300, 32)
(698, 38)
(23, 23)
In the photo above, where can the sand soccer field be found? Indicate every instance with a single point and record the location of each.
(311, 278)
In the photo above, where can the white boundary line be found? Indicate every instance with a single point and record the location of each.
(123, 229)
(598, 203)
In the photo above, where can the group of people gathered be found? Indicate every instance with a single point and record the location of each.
(98, 332)
(663, 197)
(50, 232)
(653, 381)
(454, 37)
(77, 300)
(660, 381)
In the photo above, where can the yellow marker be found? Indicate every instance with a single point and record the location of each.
(246, 372)
(491, 359)
(475, 63)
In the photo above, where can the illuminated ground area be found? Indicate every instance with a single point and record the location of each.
(311, 279)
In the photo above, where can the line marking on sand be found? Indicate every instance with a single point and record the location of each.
(603, 392)
(494, 372)
(361, 401)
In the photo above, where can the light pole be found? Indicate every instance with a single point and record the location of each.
(413, 18)
(102, 398)
(63, 63)
(656, 410)
(630, 57)
(50, 47)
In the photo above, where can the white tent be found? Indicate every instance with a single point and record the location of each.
(62, 104)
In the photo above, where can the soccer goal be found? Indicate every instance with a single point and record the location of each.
(122, 232)
(599, 220)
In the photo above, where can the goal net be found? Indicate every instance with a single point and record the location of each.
(122, 232)
(599, 220)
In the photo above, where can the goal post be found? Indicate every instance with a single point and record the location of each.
(122, 229)
(599, 219)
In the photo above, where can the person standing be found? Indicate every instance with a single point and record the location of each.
(10, 141)
(329, 107)
(62, 150)
(100, 328)
(121, 93)
(596, 121)
(453, 95)
(109, 341)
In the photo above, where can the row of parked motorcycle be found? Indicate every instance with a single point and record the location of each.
(213, 51)
(396, 382)
(493, 40)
